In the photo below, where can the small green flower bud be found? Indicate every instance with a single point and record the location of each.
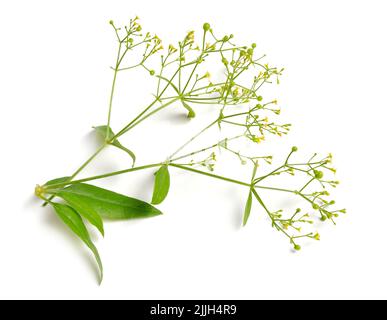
(297, 247)
(254, 45)
(259, 98)
(225, 39)
(318, 174)
(315, 206)
(39, 191)
(250, 51)
(317, 236)
(152, 72)
(231, 36)
(111, 22)
(294, 149)
(323, 218)
(206, 27)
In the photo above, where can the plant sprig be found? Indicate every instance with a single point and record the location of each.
(182, 79)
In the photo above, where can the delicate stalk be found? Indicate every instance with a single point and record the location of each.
(210, 175)
(192, 139)
(102, 176)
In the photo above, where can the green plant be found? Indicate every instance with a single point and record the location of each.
(182, 81)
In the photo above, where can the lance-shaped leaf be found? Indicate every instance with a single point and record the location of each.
(74, 221)
(247, 208)
(107, 133)
(82, 206)
(105, 203)
(162, 183)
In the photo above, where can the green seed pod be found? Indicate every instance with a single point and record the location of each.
(206, 27)
(294, 149)
(318, 174)
(297, 247)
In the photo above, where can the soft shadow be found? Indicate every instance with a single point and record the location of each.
(91, 140)
(144, 187)
(176, 117)
(237, 216)
(237, 208)
(30, 201)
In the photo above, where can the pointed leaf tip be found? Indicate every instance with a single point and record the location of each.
(73, 220)
(191, 112)
(247, 208)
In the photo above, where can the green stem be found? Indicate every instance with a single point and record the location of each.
(210, 175)
(259, 199)
(118, 61)
(275, 189)
(102, 176)
(193, 138)
(204, 149)
(87, 162)
(83, 166)
(129, 125)
(147, 116)
(303, 188)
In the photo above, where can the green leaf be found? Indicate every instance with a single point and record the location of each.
(57, 180)
(105, 203)
(74, 221)
(107, 133)
(247, 208)
(191, 112)
(162, 183)
(83, 207)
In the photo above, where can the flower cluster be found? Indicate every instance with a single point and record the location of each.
(183, 77)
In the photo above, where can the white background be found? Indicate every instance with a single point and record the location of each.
(54, 84)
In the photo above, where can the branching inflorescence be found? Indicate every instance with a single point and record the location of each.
(182, 80)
